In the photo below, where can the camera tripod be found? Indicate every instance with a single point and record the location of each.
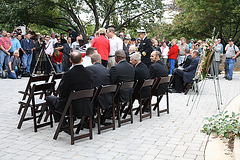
(38, 60)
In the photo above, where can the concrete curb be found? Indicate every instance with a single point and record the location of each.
(215, 147)
(236, 150)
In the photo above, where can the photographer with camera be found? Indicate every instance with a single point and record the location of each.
(78, 45)
(49, 52)
(39, 46)
(27, 46)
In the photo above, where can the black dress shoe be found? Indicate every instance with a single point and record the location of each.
(229, 79)
(175, 91)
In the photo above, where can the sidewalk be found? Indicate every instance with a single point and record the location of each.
(171, 136)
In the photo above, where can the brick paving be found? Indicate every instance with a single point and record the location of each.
(174, 136)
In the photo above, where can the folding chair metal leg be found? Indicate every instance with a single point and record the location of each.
(90, 127)
(167, 103)
(60, 123)
(22, 117)
(20, 109)
(71, 126)
(119, 116)
(140, 109)
(99, 119)
(113, 115)
(34, 118)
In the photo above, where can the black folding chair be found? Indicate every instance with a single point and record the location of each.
(34, 103)
(32, 79)
(102, 114)
(57, 76)
(164, 81)
(145, 102)
(88, 93)
(128, 87)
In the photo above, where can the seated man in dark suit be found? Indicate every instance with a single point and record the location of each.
(141, 71)
(185, 75)
(122, 72)
(158, 69)
(77, 78)
(101, 77)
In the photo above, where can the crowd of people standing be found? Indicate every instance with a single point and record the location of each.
(25, 54)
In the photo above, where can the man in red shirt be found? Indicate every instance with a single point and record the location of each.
(172, 55)
(102, 45)
(5, 46)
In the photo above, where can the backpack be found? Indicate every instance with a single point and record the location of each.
(236, 52)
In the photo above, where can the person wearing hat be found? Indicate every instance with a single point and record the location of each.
(145, 47)
(102, 44)
(90, 40)
(232, 51)
(126, 47)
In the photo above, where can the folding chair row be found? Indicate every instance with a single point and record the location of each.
(36, 80)
(34, 103)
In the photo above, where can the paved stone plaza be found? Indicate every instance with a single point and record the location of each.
(171, 136)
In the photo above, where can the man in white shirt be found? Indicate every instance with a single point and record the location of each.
(76, 45)
(87, 59)
(115, 44)
(53, 39)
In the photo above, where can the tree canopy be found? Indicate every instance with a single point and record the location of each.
(80, 15)
(196, 19)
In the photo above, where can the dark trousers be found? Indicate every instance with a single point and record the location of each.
(104, 63)
(178, 80)
(226, 68)
(52, 102)
(66, 62)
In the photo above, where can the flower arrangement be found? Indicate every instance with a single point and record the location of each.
(206, 58)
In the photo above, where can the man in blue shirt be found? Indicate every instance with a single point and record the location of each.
(27, 45)
(15, 43)
(190, 44)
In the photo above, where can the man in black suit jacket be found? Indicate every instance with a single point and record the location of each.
(187, 74)
(158, 69)
(101, 77)
(67, 47)
(122, 72)
(126, 47)
(145, 47)
(77, 78)
(141, 71)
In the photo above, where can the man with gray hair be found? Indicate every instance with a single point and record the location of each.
(141, 70)
(14, 66)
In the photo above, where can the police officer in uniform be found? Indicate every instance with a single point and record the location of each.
(145, 47)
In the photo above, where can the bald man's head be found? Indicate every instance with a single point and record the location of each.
(76, 57)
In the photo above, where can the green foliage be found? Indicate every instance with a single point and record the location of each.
(80, 15)
(223, 124)
(196, 19)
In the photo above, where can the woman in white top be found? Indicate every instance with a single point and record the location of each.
(164, 50)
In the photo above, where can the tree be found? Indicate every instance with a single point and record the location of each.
(196, 19)
(64, 14)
